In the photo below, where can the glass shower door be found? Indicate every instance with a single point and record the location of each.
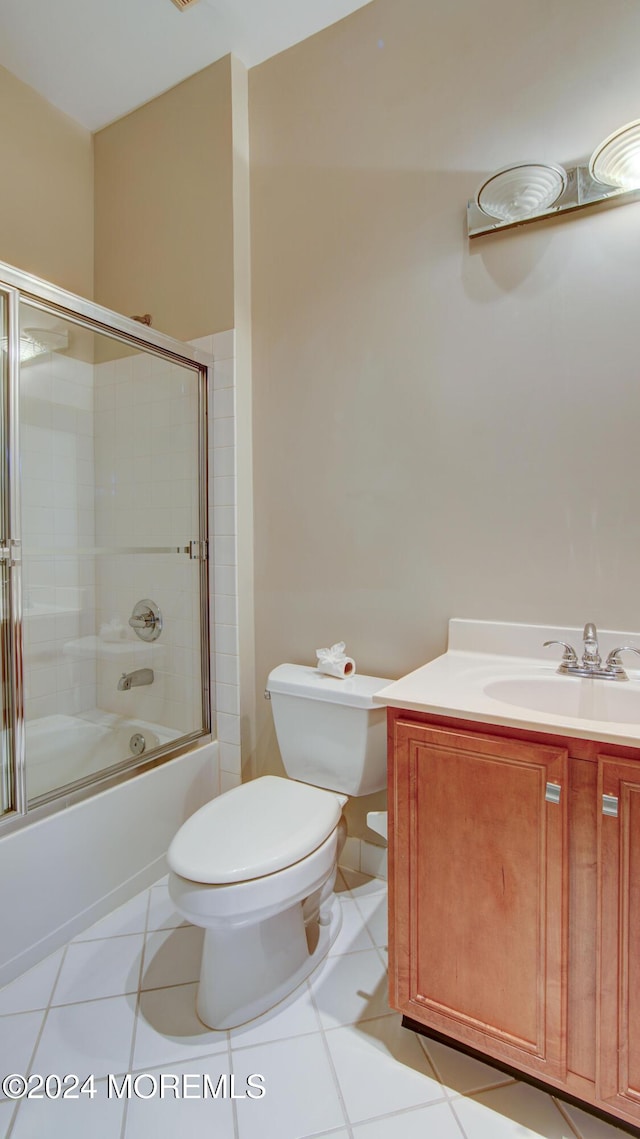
(11, 751)
(6, 749)
(114, 597)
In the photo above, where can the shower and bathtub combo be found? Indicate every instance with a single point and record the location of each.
(104, 609)
(105, 655)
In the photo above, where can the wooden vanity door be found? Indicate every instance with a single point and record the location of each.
(619, 934)
(479, 894)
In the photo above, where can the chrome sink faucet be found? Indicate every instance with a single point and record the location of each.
(591, 664)
(591, 655)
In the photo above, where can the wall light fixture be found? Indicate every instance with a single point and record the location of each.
(38, 342)
(528, 191)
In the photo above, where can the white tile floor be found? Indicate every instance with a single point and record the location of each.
(334, 1059)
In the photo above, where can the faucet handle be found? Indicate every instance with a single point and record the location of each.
(569, 655)
(614, 664)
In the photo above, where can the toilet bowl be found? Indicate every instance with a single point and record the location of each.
(256, 866)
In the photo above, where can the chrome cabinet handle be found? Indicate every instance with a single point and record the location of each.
(553, 792)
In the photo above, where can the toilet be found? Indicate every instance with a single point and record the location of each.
(256, 866)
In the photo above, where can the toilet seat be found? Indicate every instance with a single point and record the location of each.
(254, 830)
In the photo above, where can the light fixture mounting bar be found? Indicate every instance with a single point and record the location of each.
(581, 192)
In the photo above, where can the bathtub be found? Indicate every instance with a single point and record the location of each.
(66, 870)
(62, 749)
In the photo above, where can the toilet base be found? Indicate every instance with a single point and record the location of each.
(248, 970)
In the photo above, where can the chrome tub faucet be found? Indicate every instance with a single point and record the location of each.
(591, 664)
(134, 679)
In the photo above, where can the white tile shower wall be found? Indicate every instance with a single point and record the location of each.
(146, 429)
(224, 564)
(56, 412)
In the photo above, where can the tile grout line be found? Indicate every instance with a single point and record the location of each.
(458, 1120)
(107, 997)
(325, 1044)
(234, 1105)
(450, 1092)
(445, 1097)
(569, 1122)
(134, 1033)
(39, 1035)
(131, 933)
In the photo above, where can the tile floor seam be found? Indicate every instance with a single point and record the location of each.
(430, 1062)
(451, 1093)
(506, 1083)
(234, 1106)
(29, 1067)
(173, 985)
(109, 937)
(373, 893)
(334, 1074)
(134, 1033)
(569, 1122)
(40, 1032)
(385, 962)
(95, 1000)
(372, 937)
(92, 1000)
(458, 1120)
(350, 952)
(322, 1134)
(366, 924)
(12, 1120)
(275, 1040)
(159, 1068)
(8, 1015)
(404, 1111)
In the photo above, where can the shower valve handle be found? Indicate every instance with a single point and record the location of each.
(146, 620)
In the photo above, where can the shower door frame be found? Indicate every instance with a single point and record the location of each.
(18, 286)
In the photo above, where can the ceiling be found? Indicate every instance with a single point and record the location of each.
(98, 59)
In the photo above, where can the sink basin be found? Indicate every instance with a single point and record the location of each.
(582, 699)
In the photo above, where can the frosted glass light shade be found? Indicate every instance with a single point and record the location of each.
(616, 161)
(519, 192)
(37, 342)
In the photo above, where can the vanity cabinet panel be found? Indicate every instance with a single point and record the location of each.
(583, 917)
(619, 928)
(480, 890)
(515, 920)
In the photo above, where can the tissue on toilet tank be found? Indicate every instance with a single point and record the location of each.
(334, 662)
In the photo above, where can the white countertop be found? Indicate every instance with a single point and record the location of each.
(483, 664)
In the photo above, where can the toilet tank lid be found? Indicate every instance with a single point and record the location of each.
(301, 680)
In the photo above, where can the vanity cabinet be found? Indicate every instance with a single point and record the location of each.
(619, 892)
(515, 902)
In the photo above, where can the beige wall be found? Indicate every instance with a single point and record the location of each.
(439, 429)
(164, 212)
(46, 189)
(243, 409)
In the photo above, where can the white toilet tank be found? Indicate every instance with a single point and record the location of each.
(330, 732)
